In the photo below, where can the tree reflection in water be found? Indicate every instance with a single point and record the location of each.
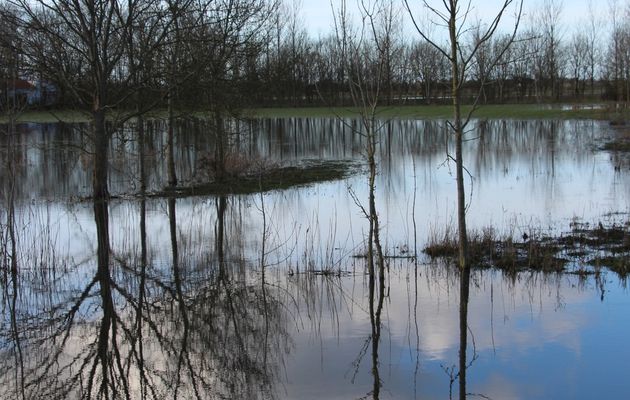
(139, 330)
(9, 260)
(376, 298)
(177, 305)
(464, 294)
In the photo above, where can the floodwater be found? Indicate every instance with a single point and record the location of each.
(268, 296)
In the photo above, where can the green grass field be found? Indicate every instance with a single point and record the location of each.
(507, 111)
(48, 116)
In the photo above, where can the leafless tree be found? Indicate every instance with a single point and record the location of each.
(480, 68)
(81, 45)
(231, 32)
(593, 46)
(523, 65)
(429, 68)
(453, 17)
(547, 19)
(505, 68)
(343, 34)
(366, 67)
(578, 53)
(10, 59)
(618, 66)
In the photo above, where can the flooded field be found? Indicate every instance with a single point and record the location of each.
(268, 295)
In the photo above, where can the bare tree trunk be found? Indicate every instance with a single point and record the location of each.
(458, 128)
(461, 197)
(170, 145)
(107, 354)
(142, 156)
(10, 250)
(464, 293)
(376, 307)
(220, 147)
(100, 156)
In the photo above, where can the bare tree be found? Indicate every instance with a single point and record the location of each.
(461, 59)
(80, 45)
(297, 49)
(593, 50)
(428, 67)
(523, 66)
(387, 35)
(618, 66)
(231, 32)
(480, 69)
(367, 66)
(10, 64)
(505, 67)
(578, 53)
(547, 19)
(343, 33)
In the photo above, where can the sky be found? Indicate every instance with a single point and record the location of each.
(317, 14)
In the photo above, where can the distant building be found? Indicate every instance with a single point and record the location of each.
(25, 93)
(47, 92)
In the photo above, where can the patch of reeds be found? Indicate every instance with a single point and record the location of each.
(619, 144)
(619, 264)
(486, 249)
(585, 246)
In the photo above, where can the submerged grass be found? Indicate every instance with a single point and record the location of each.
(487, 250)
(620, 143)
(584, 246)
(272, 178)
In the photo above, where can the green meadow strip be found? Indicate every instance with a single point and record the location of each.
(503, 111)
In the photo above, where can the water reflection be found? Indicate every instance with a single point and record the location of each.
(536, 173)
(202, 321)
(464, 364)
(137, 329)
(54, 160)
(376, 297)
(272, 295)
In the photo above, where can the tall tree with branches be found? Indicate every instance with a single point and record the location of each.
(81, 46)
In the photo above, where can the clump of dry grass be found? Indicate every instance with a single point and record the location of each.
(593, 245)
(489, 250)
(235, 166)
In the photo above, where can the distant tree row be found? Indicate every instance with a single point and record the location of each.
(142, 54)
(588, 59)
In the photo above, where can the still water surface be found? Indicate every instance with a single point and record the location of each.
(224, 297)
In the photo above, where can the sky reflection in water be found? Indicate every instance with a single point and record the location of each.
(535, 336)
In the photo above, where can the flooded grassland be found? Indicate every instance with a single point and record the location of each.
(262, 289)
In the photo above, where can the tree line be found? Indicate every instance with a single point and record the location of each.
(243, 53)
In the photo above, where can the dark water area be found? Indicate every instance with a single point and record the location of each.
(267, 295)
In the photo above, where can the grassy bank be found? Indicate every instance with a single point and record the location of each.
(503, 111)
(43, 117)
